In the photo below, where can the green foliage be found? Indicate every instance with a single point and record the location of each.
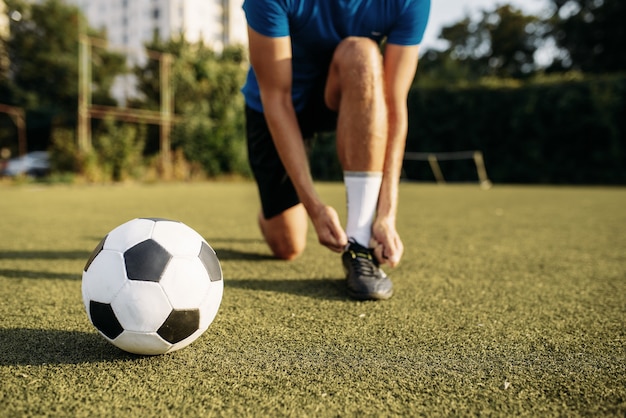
(565, 131)
(206, 94)
(43, 73)
(582, 35)
(43, 63)
(500, 43)
(64, 155)
(218, 147)
(590, 34)
(118, 151)
(43, 53)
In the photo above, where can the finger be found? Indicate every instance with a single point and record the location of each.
(339, 235)
(334, 247)
(335, 240)
(388, 252)
(394, 254)
(379, 254)
(393, 261)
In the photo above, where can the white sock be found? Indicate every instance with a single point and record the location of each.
(362, 189)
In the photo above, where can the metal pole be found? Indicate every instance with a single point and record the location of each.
(434, 166)
(84, 91)
(18, 117)
(166, 114)
(485, 183)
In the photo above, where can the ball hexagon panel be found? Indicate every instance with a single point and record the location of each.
(186, 282)
(146, 343)
(129, 234)
(104, 277)
(180, 324)
(141, 306)
(146, 261)
(211, 262)
(177, 238)
(104, 319)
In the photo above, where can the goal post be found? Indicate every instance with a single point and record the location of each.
(164, 117)
(433, 159)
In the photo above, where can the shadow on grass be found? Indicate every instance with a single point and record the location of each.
(230, 254)
(34, 347)
(222, 253)
(328, 289)
(44, 255)
(31, 274)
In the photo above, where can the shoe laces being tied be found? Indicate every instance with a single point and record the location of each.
(362, 260)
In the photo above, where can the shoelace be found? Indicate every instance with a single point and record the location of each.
(363, 263)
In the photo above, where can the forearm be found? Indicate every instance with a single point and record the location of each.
(400, 65)
(394, 156)
(283, 124)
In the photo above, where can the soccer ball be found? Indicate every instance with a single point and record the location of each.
(152, 286)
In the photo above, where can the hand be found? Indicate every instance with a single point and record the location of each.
(388, 247)
(328, 228)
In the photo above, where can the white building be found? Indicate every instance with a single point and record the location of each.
(132, 23)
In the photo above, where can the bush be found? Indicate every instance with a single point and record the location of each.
(117, 152)
(64, 156)
(562, 131)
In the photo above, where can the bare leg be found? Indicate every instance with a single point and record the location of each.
(355, 89)
(285, 233)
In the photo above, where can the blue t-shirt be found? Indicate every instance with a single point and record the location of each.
(317, 26)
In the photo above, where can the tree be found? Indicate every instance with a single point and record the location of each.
(590, 34)
(500, 43)
(515, 37)
(43, 65)
(206, 95)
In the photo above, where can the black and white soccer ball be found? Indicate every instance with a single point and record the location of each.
(152, 286)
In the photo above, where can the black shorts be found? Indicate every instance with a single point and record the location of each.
(275, 188)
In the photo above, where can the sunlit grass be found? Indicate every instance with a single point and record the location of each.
(508, 302)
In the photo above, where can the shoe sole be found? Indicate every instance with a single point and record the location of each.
(370, 296)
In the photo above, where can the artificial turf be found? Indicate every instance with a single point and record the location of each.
(509, 302)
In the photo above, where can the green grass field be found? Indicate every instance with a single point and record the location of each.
(509, 302)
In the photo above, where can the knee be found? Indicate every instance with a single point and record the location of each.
(358, 53)
(286, 250)
(286, 240)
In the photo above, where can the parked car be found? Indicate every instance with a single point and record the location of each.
(33, 164)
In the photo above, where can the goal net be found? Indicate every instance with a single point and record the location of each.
(433, 159)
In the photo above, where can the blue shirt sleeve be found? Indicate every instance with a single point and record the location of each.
(267, 17)
(410, 28)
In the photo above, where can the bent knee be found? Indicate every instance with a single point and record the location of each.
(357, 50)
(287, 251)
(285, 234)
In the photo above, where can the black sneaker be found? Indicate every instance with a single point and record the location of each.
(364, 279)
